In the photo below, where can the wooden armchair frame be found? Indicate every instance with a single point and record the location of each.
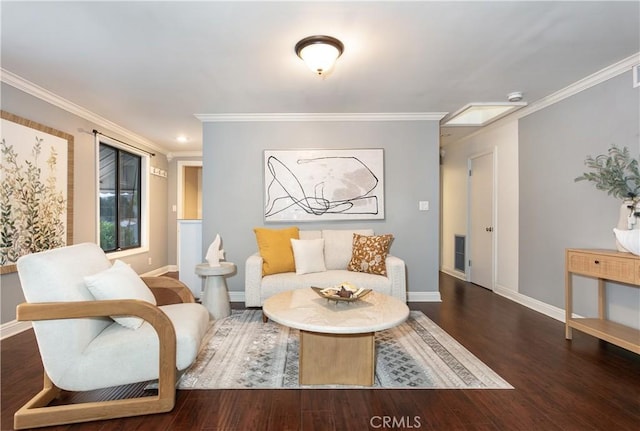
(37, 413)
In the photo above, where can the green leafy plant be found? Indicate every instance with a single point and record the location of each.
(107, 235)
(616, 172)
(32, 207)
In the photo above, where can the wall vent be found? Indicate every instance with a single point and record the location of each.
(459, 257)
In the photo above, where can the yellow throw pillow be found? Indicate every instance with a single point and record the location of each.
(369, 253)
(275, 248)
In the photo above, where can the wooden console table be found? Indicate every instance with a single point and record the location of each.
(605, 265)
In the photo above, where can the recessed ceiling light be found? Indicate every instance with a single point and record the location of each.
(182, 139)
(481, 114)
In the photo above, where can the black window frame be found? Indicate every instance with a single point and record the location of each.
(117, 196)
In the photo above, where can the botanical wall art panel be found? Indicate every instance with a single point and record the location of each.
(314, 185)
(36, 195)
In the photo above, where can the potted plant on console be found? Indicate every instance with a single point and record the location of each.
(618, 174)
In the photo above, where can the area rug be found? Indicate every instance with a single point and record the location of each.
(242, 352)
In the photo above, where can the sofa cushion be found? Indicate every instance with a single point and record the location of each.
(338, 245)
(310, 234)
(120, 282)
(273, 284)
(275, 248)
(369, 253)
(308, 255)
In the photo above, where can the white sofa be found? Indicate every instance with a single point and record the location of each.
(337, 254)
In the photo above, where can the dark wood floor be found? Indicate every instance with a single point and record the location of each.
(585, 384)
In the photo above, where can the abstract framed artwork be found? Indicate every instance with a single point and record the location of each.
(319, 185)
(36, 196)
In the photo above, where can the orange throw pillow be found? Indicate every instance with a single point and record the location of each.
(369, 253)
(275, 248)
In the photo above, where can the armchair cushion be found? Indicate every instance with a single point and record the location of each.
(120, 282)
(134, 353)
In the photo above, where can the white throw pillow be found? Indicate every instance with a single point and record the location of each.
(308, 255)
(120, 282)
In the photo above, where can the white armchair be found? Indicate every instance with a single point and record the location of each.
(83, 348)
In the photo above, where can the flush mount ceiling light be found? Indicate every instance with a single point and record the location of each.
(481, 114)
(319, 52)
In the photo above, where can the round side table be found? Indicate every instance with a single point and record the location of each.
(216, 297)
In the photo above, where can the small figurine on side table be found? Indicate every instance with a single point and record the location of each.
(214, 253)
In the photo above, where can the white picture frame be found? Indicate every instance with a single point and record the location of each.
(318, 185)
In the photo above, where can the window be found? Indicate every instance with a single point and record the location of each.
(121, 198)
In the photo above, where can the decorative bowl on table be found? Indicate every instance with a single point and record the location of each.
(346, 292)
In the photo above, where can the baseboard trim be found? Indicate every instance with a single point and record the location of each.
(12, 328)
(454, 273)
(235, 296)
(532, 303)
(158, 271)
(424, 297)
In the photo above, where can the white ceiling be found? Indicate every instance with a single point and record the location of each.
(150, 66)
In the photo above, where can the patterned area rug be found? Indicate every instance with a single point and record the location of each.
(242, 352)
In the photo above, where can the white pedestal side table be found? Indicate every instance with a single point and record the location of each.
(216, 297)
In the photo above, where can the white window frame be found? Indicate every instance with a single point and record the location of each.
(145, 162)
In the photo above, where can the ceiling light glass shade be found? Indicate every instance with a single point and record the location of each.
(319, 52)
(481, 114)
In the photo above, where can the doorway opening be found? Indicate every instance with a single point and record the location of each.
(189, 190)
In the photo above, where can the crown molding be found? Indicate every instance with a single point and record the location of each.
(182, 154)
(35, 90)
(292, 116)
(590, 81)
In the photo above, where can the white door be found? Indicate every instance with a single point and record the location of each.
(481, 229)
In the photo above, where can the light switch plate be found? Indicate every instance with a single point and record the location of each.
(423, 205)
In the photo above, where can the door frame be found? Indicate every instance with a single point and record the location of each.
(494, 215)
(180, 168)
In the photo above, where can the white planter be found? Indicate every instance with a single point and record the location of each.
(627, 221)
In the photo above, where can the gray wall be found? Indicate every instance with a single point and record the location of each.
(558, 213)
(233, 186)
(84, 219)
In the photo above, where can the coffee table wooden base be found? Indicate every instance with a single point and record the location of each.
(337, 359)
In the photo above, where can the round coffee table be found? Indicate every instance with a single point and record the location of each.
(337, 344)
